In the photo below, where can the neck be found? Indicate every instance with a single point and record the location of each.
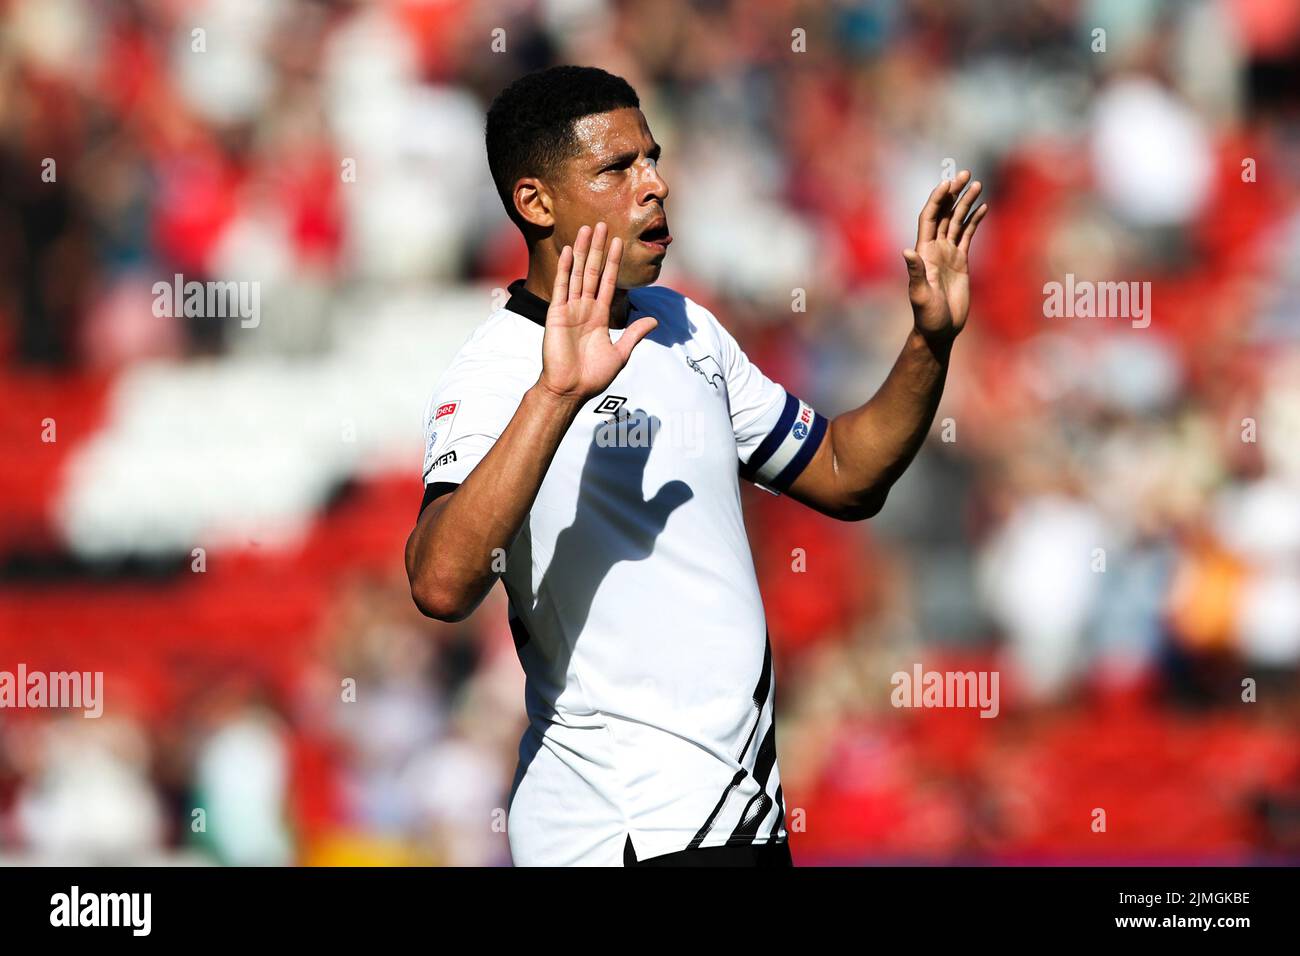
(541, 282)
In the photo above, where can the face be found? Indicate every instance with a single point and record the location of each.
(613, 179)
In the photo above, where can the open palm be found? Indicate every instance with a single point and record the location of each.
(938, 282)
(579, 357)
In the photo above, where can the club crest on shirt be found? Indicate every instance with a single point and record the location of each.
(709, 368)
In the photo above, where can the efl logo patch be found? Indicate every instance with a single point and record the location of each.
(803, 424)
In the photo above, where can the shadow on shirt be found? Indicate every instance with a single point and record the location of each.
(613, 522)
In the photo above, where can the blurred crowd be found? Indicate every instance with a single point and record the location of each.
(1107, 514)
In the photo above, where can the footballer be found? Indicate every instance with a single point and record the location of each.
(585, 446)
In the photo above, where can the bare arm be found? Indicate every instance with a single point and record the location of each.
(867, 449)
(449, 554)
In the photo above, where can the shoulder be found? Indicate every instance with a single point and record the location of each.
(680, 317)
(497, 362)
(502, 335)
(503, 341)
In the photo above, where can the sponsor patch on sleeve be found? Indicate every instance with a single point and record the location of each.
(439, 432)
(788, 448)
(440, 423)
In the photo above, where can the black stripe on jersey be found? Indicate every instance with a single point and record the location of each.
(760, 696)
(754, 815)
(433, 492)
(774, 438)
(722, 801)
(761, 690)
(800, 461)
(765, 681)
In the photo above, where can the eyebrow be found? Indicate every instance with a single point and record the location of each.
(629, 155)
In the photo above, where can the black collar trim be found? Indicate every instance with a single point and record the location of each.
(533, 307)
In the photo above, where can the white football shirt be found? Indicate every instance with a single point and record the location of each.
(633, 600)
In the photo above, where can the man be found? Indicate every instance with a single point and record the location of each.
(584, 446)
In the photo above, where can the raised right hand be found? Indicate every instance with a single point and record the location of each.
(579, 358)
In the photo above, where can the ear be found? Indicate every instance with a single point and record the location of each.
(534, 202)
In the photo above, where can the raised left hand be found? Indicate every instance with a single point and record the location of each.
(938, 282)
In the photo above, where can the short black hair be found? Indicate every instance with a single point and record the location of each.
(530, 123)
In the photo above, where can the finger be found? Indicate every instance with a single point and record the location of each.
(976, 218)
(596, 259)
(928, 221)
(915, 269)
(945, 217)
(949, 199)
(609, 279)
(960, 211)
(633, 334)
(560, 292)
(581, 246)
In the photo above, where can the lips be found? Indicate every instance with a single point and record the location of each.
(656, 234)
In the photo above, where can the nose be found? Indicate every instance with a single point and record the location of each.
(653, 184)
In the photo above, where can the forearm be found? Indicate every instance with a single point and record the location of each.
(872, 445)
(450, 556)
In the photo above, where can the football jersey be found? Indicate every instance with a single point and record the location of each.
(633, 601)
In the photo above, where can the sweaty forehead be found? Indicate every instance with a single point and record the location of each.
(602, 136)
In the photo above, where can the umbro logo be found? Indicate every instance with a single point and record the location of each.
(610, 404)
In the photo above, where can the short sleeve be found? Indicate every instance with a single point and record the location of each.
(467, 412)
(777, 434)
